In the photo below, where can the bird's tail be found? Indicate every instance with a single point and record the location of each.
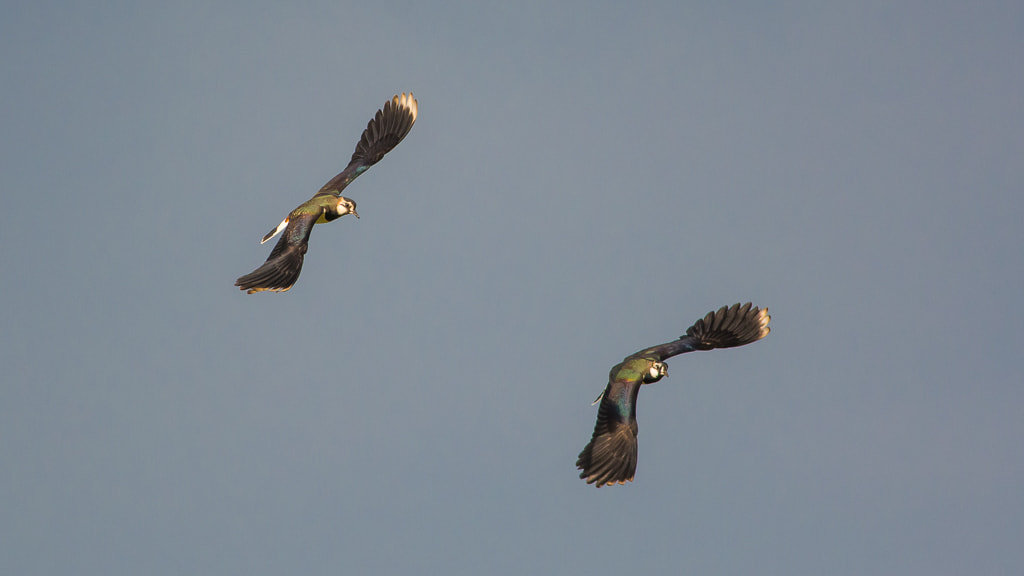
(275, 231)
(730, 326)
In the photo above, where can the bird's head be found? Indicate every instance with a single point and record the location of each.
(340, 208)
(345, 206)
(657, 371)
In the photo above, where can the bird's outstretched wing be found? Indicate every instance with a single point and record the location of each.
(282, 267)
(728, 327)
(610, 456)
(390, 125)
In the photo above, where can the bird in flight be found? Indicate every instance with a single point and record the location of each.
(610, 456)
(386, 129)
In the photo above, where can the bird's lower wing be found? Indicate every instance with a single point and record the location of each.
(284, 264)
(610, 456)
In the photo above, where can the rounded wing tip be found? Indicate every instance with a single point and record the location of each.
(760, 316)
(408, 102)
(604, 483)
(606, 468)
(763, 319)
(254, 289)
(600, 478)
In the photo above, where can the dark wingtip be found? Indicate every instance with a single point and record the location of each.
(602, 473)
(613, 463)
(278, 274)
(261, 280)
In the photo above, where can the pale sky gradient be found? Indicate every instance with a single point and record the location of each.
(584, 180)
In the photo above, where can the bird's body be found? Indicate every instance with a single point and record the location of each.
(611, 455)
(279, 273)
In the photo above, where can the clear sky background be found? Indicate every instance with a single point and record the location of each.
(585, 179)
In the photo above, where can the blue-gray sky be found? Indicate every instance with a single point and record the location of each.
(584, 180)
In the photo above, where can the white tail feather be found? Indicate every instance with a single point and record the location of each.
(275, 231)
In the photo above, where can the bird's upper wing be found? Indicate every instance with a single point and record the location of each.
(282, 267)
(385, 130)
(610, 456)
(725, 328)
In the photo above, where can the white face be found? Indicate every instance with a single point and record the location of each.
(346, 206)
(657, 370)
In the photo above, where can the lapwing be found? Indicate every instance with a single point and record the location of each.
(390, 125)
(610, 457)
